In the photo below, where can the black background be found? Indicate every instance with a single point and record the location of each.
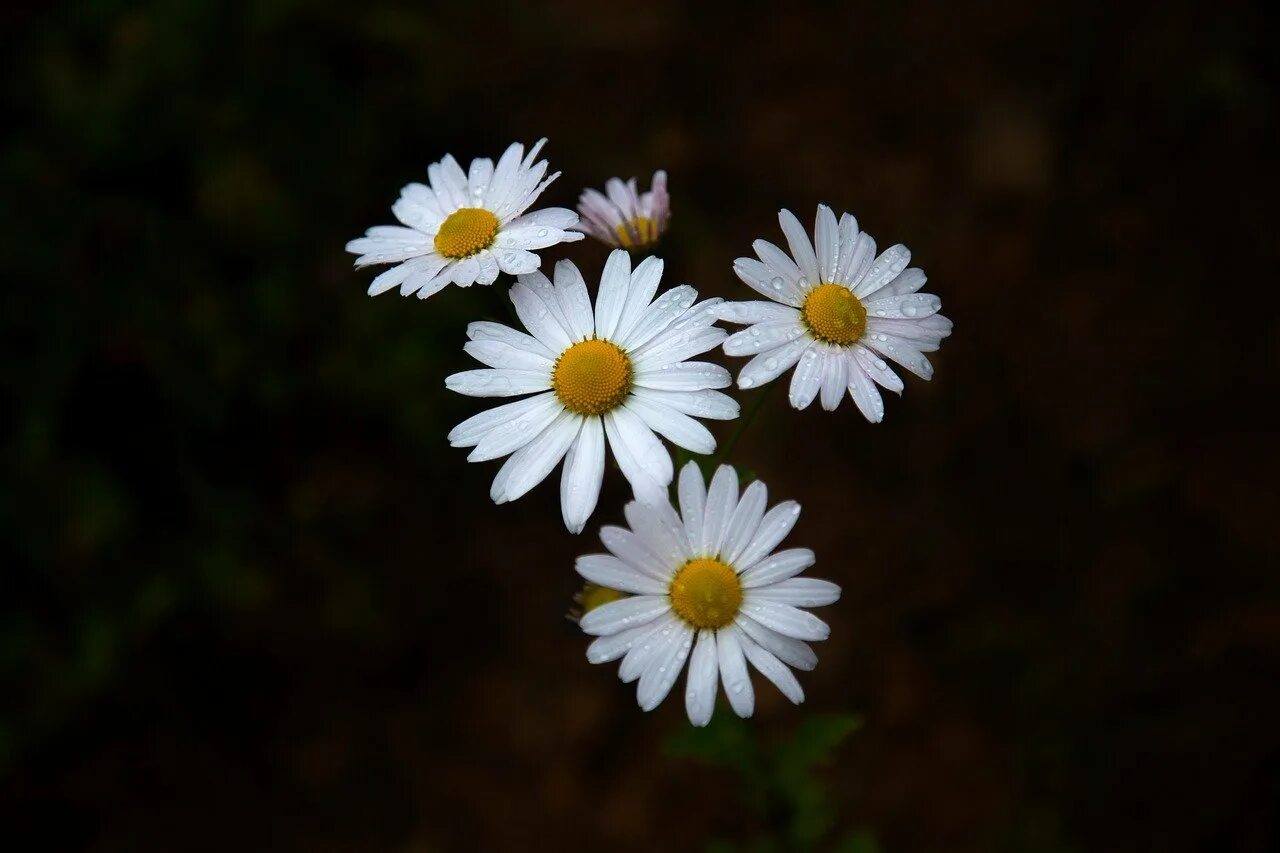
(253, 600)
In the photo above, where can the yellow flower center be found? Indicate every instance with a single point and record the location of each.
(643, 226)
(706, 593)
(465, 232)
(834, 314)
(592, 377)
(594, 595)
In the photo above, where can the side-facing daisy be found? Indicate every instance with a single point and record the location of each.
(618, 372)
(838, 311)
(466, 226)
(623, 216)
(707, 579)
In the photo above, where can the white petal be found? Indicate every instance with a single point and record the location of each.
(484, 330)
(722, 500)
(781, 265)
(514, 433)
(848, 240)
(624, 613)
(764, 279)
(499, 354)
(478, 178)
(583, 475)
(473, 429)
(680, 429)
(862, 256)
(774, 527)
(644, 461)
(659, 316)
(555, 217)
(798, 592)
(826, 238)
(631, 549)
(608, 571)
(489, 269)
(529, 237)
(644, 284)
(902, 351)
(571, 291)
(660, 529)
(664, 669)
(615, 282)
(613, 646)
(498, 383)
(773, 669)
(792, 652)
(531, 464)
(504, 176)
(780, 566)
(835, 378)
(875, 367)
(647, 647)
(763, 336)
(426, 286)
(785, 619)
(670, 347)
(518, 261)
(892, 261)
(700, 686)
(910, 306)
(715, 405)
(744, 523)
(393, 277)
(685, 376)
(801, 247)
(807, 379)
(693, 502)
(769, 365)
(733, 671)
(465, 272)
(756, 312)
(539, 318)
(926, 334)
(908, 281)
(865, 395)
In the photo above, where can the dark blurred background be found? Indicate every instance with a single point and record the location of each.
(253, 600)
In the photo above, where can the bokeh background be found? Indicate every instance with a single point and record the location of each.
(253, 600)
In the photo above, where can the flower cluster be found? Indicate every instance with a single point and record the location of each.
(698, 580)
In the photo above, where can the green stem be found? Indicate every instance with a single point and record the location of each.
(743, 423)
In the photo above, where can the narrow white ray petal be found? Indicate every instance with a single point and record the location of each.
(756, 311)
(807, 378)
(396, 275)
(774, 527)
(771, 364)
(773, 669)
(613, 646)
(583, 475)
(531, 464)
(786, 620)
(904, 352)
(798, 592)
(684, 376)
(659, 316)
(615, 283)
(680, 429)
(571, 291)
(763, 336)
(423, 274)
(911, 306)
(498, 383)
(848, 238)
(733, 671)
(863, 255)
(907, 281)
(875, 367)
(623, 614)
(744, 523)
(777, 567)
(485, 330)
(692, 492)
(660, 529)
(644, 461)
(644, 284)
(514, 433)
(539, 319)
(826, 238)
(715, 405)
(631, 549)
(608, 571)
(700, 685)
(671, 347)
(892, 261)
(783, 266)
(554, 217)
(792, 652)
(518, 261)
(476, 427)
(722, 500)
(835, 377)
(647, 647)
(499, 354)
(427, 286)
(865, 395)
(801, 248)
(478, 178)
(664, 669)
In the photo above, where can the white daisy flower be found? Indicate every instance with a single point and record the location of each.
(466, 226)
(839, 311)
(623, 216)
(707, 579)
(618, 373)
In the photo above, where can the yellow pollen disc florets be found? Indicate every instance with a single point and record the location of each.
(834, 314)
(706, 593)
(592, 377)
(638, 232)
(466, 231)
